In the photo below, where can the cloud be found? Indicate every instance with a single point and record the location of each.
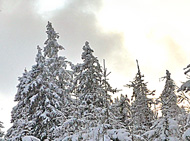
(174, 50)
(23, 28)
(77, 23)
(21, 31)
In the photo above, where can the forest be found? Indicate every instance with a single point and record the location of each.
(57, 100)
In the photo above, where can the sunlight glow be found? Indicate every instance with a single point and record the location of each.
(50, 5)
(153, 31)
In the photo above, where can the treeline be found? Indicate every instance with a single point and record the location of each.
(58, 100)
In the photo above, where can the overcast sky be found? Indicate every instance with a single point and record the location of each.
(157, 33)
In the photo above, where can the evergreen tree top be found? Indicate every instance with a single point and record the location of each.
(87, 54)
(51, 46)
(141, 113)
(138, 85)
(139, 76)
(169, 85)
(138, 81)
(168, 98)
(51, 32)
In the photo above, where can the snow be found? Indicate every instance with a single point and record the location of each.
(120, 134)
(30, 138)
(150, 133)
(32, 99)
(186, 135)
(185, 86)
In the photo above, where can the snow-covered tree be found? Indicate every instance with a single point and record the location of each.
(186, 85)
(163, 129)
(1, 132)
(141, 113)
(91, 91)
(108, 115)
(87, 85)
(121, 109)
(21, 110)
(42, 94)
(186, 128)
(166, 127)
(88, 90)
(54, 98)
(168, 98)
(88, 79)
(30, 138)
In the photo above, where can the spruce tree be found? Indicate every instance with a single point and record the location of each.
(88, 89)
(92, 115)
(186, 127)
(1, 132)
(53, 106)
(168, 98)
(186, 85)
(121, 109)
(42, 94)
(88, 78)
(166, 127)
(20, 112)
(141, 113)
(163, 129)
(108, 116)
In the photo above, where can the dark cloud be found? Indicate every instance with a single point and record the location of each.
(78, 22)
(22, 28)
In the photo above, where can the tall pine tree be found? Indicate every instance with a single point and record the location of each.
(42, 93)
(168, 98)
(87, 84)
(166, 127)
(141, 113)
(91, 90)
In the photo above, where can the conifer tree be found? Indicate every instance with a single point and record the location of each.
(121, 109)
(91, 89)
(163, 129)
(55, 97)
(25, 96)
(166, 127)
(88, 89)
(186, 128)
(1, 132)
(42, 94)
(107, 90)
(168, 98)
(141, 113)
(186, 85)
(88, 78)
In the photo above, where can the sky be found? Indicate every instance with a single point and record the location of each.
(157, 33)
